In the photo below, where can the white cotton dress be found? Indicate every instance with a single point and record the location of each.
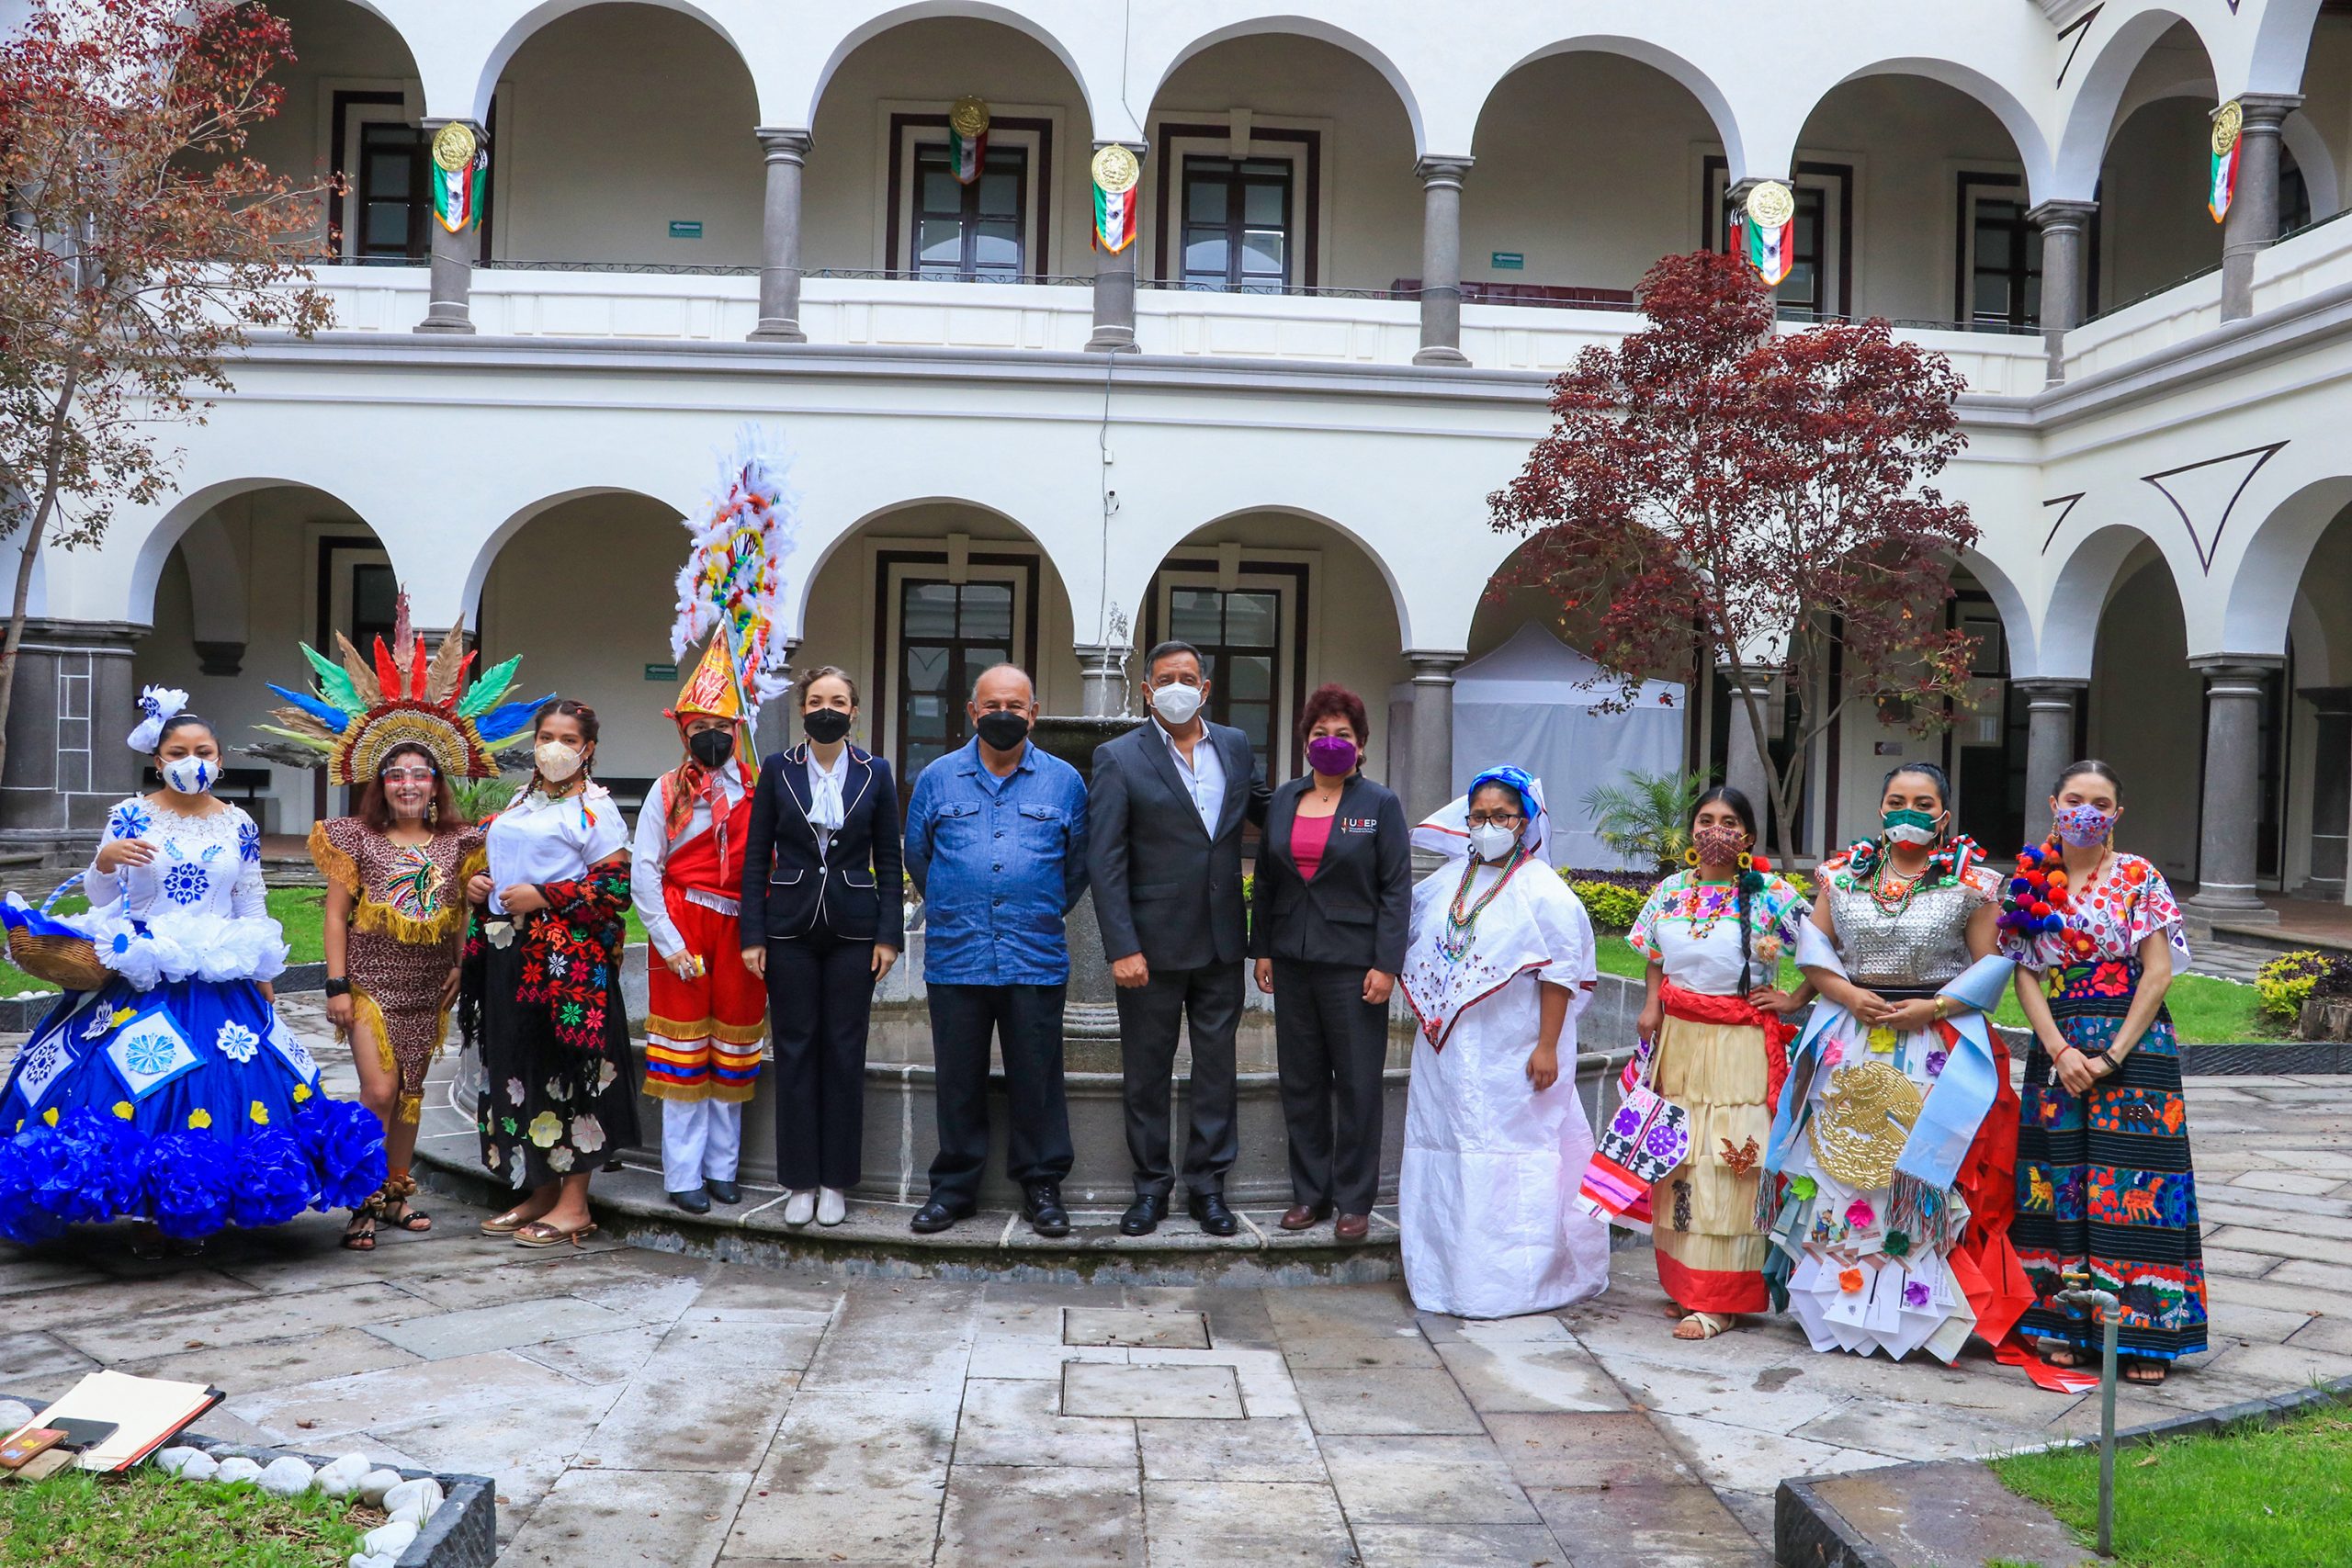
(1487, 1196)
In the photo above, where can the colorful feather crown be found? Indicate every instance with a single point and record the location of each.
(360, 712)
(732, 583)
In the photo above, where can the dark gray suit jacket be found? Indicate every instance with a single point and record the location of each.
(1358, 909)
(1165, 886)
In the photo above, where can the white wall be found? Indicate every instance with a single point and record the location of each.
(2147, 718)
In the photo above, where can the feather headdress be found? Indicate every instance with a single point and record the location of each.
(360, 709)
(732, 583)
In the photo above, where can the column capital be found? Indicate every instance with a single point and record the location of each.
(1753, 676)
(1140, 149)
(1443, 168)
(2222, 669)
(2262, 112)
(431, 123)
(2047, 686)
(1435, 666)
(2060, 214)
(791, 146)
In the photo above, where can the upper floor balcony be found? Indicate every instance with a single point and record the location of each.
(1315, 187)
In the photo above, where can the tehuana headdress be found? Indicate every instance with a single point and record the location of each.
(360, 712)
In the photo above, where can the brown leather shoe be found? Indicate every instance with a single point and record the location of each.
(1352, 1227)
(1300, 1217)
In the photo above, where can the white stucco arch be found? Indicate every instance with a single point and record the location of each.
(2024, 130)
(503, 51)
(134, 598)
(1150, 75)
(2016, 613)
(1145, 555)
(2282, 41)
(865, 32)
(2260, 600)
(1665, 61)
(809, 560)
(2093, 112)
(217, 594)
(2079, 589)
(433, 603)
(2302, 138)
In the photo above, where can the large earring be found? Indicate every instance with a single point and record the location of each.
(1747, 861)
(433, 814)
(1691, 856)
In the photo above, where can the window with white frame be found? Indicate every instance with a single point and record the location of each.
(996, 228)
(1249, 624)
(1236, 207)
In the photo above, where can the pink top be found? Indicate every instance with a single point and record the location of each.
(1308, 838)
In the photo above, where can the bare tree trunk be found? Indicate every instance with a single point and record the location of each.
(29, 557)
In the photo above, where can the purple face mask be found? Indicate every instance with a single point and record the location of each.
(1333, 756)
(2083, 826)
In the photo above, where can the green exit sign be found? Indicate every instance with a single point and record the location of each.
(661, 671)
(1502, 261)
(685, 228)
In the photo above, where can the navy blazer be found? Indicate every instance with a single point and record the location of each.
(858, 887)
(1358, 909)
(1164, 885)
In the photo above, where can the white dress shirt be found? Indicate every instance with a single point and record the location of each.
(826, 807)
(1203, 776)
(651, 852)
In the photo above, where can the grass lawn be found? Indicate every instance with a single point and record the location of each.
(146, 1520)
(2250, 1498)
(2205, 1010)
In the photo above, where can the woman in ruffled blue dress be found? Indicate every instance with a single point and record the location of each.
(173, 1093)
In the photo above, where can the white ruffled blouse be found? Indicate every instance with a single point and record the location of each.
(198, 909)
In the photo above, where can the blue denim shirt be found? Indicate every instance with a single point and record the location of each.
(998, 861)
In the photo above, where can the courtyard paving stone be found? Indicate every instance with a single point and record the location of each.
(639, 1407)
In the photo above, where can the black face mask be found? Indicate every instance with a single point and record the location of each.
(711, 748)
(824, 726)
(1002, 731)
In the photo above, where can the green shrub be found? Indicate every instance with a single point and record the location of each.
(1611, 905)
(2290, 980)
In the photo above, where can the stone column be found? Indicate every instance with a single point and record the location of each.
(1743, 763)
(451, 307)
(787, 152)
(2049, 741)
(2230, 812)
(2330, 790)
(2065, 274)
(1102, 679)
(1114, 284)
(1431, 783)
(1442, 264)
(72, 703)
(773, 731)
(2253, 221)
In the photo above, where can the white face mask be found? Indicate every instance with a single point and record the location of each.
(190, 775)
(1492, 840)
(1177, 702)
(556, 760)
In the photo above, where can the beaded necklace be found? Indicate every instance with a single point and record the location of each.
(1892, 905)
(1460, 923)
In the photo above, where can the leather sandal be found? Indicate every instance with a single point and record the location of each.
(393, 1208)
(1708, 1324)
(539, 1233)
(506, 1224)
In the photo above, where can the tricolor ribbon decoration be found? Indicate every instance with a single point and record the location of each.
(2223, 185)
(460, 174)
(1768, 225)
(968, 138)
(1116, 176)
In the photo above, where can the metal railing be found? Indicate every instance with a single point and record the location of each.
(2106, 311)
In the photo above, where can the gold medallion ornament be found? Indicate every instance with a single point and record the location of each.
(2227, 121)
(1115, 169)
(454, 146)
(1864, 1121)
(1771, 205)
(969, 117)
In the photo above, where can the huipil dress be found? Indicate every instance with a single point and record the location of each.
(1892, 1266)
(541, 1001)
(1486, 1196)
(173, 1093)
(1723, 1061)
(2104, 1180)
(407, 932)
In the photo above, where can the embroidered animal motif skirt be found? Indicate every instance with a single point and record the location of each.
(2104, 1180)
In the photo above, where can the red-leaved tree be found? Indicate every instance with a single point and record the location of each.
(142, 244)
(1717, 493)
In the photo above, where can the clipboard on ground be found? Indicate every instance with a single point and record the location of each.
(146, 1412)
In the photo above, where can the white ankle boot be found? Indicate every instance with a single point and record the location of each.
(831, 1207)
(799, 1207)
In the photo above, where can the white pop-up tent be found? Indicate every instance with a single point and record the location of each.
(1535, 701)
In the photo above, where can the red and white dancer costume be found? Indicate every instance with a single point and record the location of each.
(703, 1033)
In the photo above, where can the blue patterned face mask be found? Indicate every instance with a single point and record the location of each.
(191, 775)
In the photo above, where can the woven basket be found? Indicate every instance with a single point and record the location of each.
(68, 960)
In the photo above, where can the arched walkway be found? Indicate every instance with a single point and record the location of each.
(350, 109)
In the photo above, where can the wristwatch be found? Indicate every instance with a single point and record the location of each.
(338, 985)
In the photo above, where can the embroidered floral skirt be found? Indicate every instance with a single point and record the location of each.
(548, 1110)
(1710, 1248)
(2104, 1180)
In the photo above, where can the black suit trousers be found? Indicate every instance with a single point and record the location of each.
(821, 994)
(1331, 1047)
(1205, 1005)
(1026, 1022)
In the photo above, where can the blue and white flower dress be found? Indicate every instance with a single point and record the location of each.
(173, 1093)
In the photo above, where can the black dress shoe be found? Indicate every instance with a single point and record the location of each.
(1209, 1209)
(1041, 1205)
(1143, 1215)
(724, 1191)
(692, 1200)
(937, 1214)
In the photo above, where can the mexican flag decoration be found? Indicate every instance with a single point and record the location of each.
(2227, 121)
(1770, 223)
(460, 177)
(1116, 175)
(967, 138)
